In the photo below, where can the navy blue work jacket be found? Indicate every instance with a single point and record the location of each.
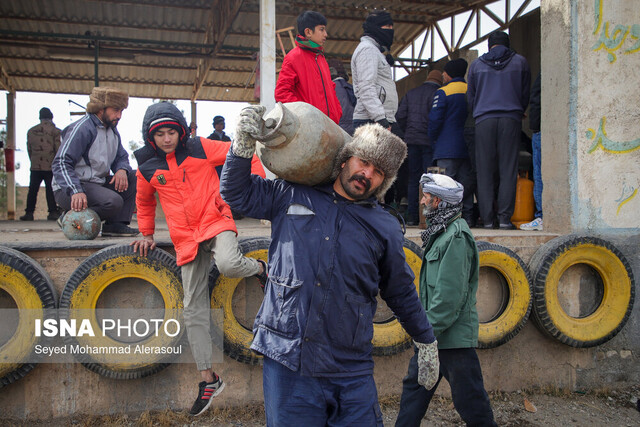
(329, 258)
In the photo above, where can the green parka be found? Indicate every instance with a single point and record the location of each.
(448, 285)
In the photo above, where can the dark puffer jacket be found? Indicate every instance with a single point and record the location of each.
(413, 113)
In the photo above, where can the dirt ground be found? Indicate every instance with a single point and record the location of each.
(551, 407)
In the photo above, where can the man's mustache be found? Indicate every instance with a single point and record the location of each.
(362, 180)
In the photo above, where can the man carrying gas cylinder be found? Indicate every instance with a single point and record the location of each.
(333, 250)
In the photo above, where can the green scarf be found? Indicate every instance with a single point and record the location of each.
(305, 43)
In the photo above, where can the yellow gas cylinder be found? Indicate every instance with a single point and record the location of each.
(525, 204)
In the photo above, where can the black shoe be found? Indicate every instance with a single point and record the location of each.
(508, 226)
(206, 393)
(53, 216)
(28, 216)
(262, 277)
(119, 229)
(236, 216)
(60, 218)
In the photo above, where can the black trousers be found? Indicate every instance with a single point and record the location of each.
(497, 145)
(462, 171)
(419, 158)
(35, 180)
(461, 368)
(110, 205)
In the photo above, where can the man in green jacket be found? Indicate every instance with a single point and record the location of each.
(448, 284)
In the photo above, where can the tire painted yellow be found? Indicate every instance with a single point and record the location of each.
(90, 280)
(389, 337)
(516, 275)
(556, 257)
(237, 338)
(30, 288)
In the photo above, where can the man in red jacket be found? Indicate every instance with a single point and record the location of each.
(181, 169)
(305, 73)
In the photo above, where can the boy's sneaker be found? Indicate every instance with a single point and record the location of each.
(118, 229)
(536, 224)
(206, 393)
(28, 216)
(262, 277)
(53, 216)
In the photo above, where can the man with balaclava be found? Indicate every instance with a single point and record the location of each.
(448, 285)
(334, 250)
(498, 93)
(43, 142)
(373, 82)
(91, 150)
(446, 129)
(305, 75)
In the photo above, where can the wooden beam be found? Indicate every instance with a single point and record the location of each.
(5, 81)
(222, 15)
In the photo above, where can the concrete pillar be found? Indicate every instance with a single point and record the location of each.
(267, 53)
(590, 132)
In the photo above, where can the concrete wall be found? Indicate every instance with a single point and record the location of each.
(590, 115)
(529, 360)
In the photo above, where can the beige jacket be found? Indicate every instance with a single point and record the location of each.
(43, 141)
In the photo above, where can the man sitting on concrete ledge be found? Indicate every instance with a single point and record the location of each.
(91, 149)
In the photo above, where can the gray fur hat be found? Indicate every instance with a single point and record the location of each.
(377, 145)
(103, 97)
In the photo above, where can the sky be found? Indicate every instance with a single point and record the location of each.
(28, 105)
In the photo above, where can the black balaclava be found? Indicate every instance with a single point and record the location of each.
(372, 28)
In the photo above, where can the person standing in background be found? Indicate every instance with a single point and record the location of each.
(498, 91)
(43, 142)
(446, 129)
(413, 120)
(344, 91)
(534, 125)
(218, 130)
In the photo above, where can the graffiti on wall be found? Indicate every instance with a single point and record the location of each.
(611, 40)
(600, 140)
(628, 193)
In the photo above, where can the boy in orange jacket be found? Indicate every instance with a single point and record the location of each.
(182, 170)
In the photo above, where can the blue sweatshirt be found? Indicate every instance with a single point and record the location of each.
(499, 83)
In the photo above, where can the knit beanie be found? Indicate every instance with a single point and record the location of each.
(499, 37)
(103, 97)
(218, 119)
(443, 187)
(435, 76)
(378, 146)
(310, 19)
(166, 122)
(379, 18)
(456, 68)
(45, 113)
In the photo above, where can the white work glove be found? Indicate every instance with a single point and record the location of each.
(249, 123)
(428, 364)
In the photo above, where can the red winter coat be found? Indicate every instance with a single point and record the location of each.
(305, 77)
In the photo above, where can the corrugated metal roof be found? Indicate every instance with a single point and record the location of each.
(162, 48)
